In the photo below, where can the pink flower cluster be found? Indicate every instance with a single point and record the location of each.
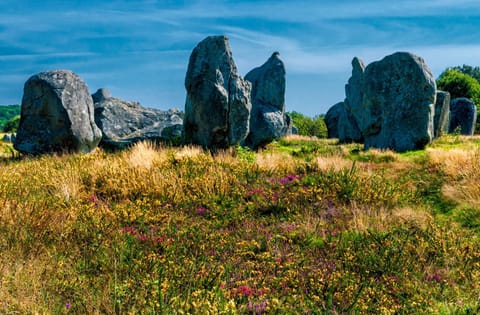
(144, 237)
(248, 291)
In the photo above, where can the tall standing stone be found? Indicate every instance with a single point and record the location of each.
(268, 120)
(463, 115)
(56, 115)
(398, 103)
(217, 107)
(348, 127)
(442, 113)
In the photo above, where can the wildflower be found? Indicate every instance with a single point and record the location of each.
(68, 305)
(257, 308)
(434, 278)
(244, 290)
(201, 211)
(288, 179)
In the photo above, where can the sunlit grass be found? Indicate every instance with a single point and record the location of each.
(304, 226)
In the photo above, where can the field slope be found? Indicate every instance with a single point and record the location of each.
(304, 227)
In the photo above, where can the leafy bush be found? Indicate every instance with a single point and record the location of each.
(471, 71)
(459, 84)
(7, 113)
(12, 124)
(307, 126)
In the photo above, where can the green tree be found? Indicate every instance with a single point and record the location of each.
(459, 84)
(7, 112)
(12, 124)
(307, 126)
(471, 71)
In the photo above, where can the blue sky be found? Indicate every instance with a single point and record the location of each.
(140, 49)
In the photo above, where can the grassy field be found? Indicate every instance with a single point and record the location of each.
(304, 227)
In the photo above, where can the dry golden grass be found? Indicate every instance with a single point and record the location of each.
(462, 165)
(188, 152)
(144, 155)
(333, 163)
(382, 219)
(301, 138)
(276, 161)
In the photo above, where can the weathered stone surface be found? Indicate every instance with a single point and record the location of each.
(398, 103)
(124, 123)
(341, 124)
(217, 107)
(268, 120)
(101, 95)
(332, 117)
(344, 115)
(294, 130)
(463, 115)
(354, 92)
(442, 113)
(56, 115)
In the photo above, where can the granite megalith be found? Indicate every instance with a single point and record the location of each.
(124, 123)
(353, 104)
(268, 120)
(442, 113)
(102, 94)
(56, 115)
(463, 115)
(398, 103)
(218, 105)
(341, 124)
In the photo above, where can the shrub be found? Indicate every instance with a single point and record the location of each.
(12, 124)
(307, 126)
(459, 84)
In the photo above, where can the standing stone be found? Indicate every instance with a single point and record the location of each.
(398, 103)
(268, 120)
(343, 116)
(354, 100)
(341, 124)
(101, 95)
(7, 138)
(331, 119)
(56, 115)
(442, 113)
(463, 115)
(217, 108)
(125, 123)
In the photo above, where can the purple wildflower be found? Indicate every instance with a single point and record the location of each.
(201, 211)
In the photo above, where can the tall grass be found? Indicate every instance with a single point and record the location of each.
(159, 230)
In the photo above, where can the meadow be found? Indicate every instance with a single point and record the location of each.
(305, 226)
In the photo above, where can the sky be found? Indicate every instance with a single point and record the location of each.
(139, 49)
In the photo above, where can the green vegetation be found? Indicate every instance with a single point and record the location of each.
(8, 115)
(12, 124)
(459, 84)
(462, 82)
(303, 227)
(307, 126)
(471, 71)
